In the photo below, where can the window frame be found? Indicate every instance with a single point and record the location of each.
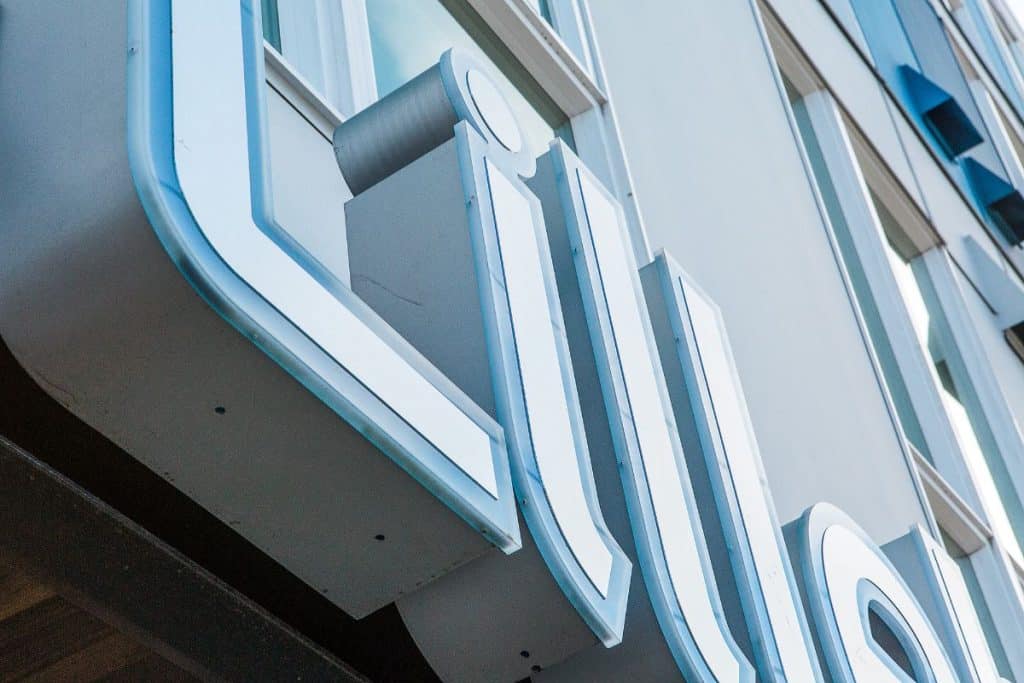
(577, 88)
(340, 28)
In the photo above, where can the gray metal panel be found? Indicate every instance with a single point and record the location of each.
(413, 262)
(735, 206)
(414, 267)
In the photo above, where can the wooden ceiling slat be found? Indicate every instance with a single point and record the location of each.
(100, 658)
(44, 634)
(18, 593)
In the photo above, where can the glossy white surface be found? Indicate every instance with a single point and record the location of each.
(847, 561)
(746, 474)
(660, 464)
(212, 159)
(494, 110)
(544, 386)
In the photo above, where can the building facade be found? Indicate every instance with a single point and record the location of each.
(561, 340)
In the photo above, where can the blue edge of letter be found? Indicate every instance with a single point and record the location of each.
(151, 158)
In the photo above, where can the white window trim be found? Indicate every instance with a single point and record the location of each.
(908, 208)
(832, 112)
(1001, 580)
(283, 78)
(331, 44)
(959, 336)
(334, 44)
(544, 53)
(954, 515)
(868, 239)
(571, 29)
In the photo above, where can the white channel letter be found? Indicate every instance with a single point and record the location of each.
(659, 449)
(554, 445)
(846, 562)
(211, 154)
(755, 520)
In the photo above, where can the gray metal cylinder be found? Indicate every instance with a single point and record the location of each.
(421, 115)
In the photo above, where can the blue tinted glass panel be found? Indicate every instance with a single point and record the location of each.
(408, 37)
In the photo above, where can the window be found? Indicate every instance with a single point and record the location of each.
(543, 8)
(319, 39)
(271, 23)
(981, 456)
(409, 37)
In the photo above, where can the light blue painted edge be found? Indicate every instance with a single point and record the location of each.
(650, 554)
(672, 276)
(151, 159)
(869, 594)
(604, 615)
(811, 528)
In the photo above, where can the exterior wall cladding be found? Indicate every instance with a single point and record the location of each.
(724, 383)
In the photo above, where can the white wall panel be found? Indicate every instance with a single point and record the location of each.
(723, 187)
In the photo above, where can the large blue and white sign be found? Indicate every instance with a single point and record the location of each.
(201, 163)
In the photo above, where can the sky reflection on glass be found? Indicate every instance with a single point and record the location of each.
(409, 37)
